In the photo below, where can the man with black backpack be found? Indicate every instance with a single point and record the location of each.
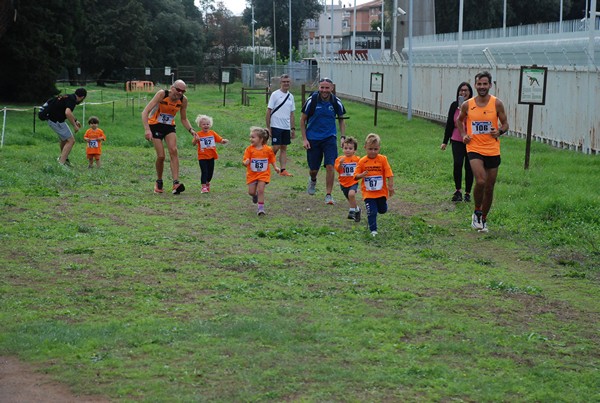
(59, 111)
(319, 134)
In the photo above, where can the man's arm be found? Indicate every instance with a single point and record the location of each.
(146, 112)
(342, 123)
(503, 128)
(460, 122)
(303, 123)
(72, 119)
(268, 119)
(292, 125)
(184, 120)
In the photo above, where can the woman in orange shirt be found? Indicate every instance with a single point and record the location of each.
(257, 158)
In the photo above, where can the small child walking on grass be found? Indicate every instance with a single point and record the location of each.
(257, 158)
(377, 180)
(346, 165)
(206, 140)
(94, 137)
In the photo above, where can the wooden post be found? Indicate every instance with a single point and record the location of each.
(528, 142)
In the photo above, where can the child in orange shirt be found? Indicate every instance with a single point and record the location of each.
(94, 137)
(257, 158)
(374, 169)
(346, 165)
(206, 140)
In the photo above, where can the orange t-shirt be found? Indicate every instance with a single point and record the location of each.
(207, 149)
(94, 140)
(166, 111)
(346, 170)
(480, 121)
(258, 169)
(374, 185)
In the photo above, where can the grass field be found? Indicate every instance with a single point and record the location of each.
(117, 291)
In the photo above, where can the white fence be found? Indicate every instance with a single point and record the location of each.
(570, 118)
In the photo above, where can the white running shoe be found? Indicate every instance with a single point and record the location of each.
(485, 227)
(477, 220)
(373, 234)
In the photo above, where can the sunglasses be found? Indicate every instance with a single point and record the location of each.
(179, 90)
(327, 80)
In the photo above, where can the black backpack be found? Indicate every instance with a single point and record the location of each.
(313, 105)
(44, 112)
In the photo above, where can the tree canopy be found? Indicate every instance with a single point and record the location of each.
(267, 10)
(102, 38)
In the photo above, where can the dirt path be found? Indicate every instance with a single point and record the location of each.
(20, 383)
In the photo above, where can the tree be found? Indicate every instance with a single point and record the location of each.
(302, 10)
(36, 48)
(115, 37)
(226, 35)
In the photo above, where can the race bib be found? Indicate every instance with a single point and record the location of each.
(93, 144)
(207, 142)
(374, 183)
(481, 127)
(166, 119)
(259, 164)
(348, 169)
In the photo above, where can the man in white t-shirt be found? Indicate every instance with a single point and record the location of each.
(280, 121)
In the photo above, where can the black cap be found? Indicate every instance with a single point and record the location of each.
(81, 92)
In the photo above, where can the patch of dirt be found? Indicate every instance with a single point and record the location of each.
(20, 383)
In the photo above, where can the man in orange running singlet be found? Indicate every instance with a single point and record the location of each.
(158, 118)
(481, 115)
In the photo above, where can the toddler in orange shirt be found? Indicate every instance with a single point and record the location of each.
(206, 140)
(257, 158)
(377, 180)
(94, 137)
(345, 165)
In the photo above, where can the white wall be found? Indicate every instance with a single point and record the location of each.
(569, 119)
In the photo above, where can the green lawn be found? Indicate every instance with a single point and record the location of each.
(117, 291)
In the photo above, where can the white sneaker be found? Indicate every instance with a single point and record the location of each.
(373, 234)
(477, 220)
(312, 187)
(329, 199)
(484, 228)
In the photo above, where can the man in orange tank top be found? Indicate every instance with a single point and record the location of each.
(481, 135)
(158, 118)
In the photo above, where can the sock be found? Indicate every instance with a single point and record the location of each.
(352, 209)
(261, 206)
(175, 182)
(281, 170)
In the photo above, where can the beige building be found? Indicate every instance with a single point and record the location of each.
(332, 33)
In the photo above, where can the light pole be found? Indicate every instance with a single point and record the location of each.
(560, 18)
(331, 44)
(354, 35)
(461, 8)
(410, 58)
(253, 50)
(397, 12)
(504, 21)
(290, 30)
(274, 42)
(382, 30)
